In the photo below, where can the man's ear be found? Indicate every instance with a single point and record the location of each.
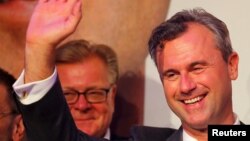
(18, 132)
(114, 91)
(112, 95)
(233, 61)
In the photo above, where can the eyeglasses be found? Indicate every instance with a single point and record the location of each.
(92, 96)
(4, 114)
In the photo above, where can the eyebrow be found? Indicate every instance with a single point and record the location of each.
(87, 89)
(198, 63)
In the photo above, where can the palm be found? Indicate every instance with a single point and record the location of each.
(50, 24)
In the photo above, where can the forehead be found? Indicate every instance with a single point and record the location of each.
(90, 65)
(198, 42)
(90, 72)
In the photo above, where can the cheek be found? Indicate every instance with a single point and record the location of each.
(170, 88)
(170, 92)
(213, 79)
(103, 109)
(105, 113)
(107, 109)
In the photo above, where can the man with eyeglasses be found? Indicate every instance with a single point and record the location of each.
(88, 74)
(11, 123)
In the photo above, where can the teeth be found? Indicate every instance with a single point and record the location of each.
(191, 101)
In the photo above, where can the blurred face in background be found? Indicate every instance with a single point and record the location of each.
(87, 76)
(11, 125)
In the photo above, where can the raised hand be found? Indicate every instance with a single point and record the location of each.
(50, 23)
(53, 20)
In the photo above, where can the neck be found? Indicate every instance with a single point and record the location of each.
(201, 134)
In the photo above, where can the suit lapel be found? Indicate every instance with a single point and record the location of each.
(176, 136)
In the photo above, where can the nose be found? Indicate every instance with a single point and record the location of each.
(82, 104)
(187, 84)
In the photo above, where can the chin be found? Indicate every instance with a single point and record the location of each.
(86, 129)
(89, 132)
(200, 125)
(196, 123)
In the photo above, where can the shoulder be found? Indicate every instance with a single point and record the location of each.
(118, 137)
(151, 133)
(242, 123)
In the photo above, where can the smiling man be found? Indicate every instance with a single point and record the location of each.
(88, 74)
(196, 64)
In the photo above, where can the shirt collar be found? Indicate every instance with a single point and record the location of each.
(237, 120)
(107, 134)
(187, 137)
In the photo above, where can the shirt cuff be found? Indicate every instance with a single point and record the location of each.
(32, 92)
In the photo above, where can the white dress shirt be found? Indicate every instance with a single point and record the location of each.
(187, 137)
(32, 92)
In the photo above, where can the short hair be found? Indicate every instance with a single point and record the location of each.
(177, 25)
(8, 80)
(78, 50)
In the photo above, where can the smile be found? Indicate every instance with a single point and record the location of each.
(193, 100)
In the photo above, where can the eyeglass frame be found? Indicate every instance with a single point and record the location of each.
(85, 93)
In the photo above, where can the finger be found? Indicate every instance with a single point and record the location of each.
(76, 14)
(43, 1)
(62, 0)
(72, 3)
(77, 9)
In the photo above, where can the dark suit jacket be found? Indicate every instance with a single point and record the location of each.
(117, 137)
(147, 133)
(49, 119)
(178, 136)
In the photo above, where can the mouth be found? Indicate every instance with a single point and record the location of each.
(83, 119)
(193, 100)
(86, 122)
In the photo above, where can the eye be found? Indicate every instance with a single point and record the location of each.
(96, 92)
(68, 93)
(198, 69)
(170, 75)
